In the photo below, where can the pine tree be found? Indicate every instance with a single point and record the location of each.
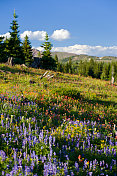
(27, 51)
(60, 67)
(57, 63)
(91, 68)
(105, 71)
(14, 49)
(70, 65)
(96, 70)
(6, 43)
(81, 68)
(47, 62)
(56, 58)
(3, 57)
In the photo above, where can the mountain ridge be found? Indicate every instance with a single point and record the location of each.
(64, 56)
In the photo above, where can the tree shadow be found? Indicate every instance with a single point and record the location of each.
(7, 69)
(100, 102)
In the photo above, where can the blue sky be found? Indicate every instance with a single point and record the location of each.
(76, 26)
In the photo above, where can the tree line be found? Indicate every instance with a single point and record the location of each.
(95, 69)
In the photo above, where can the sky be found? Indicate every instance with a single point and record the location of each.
(74, 26)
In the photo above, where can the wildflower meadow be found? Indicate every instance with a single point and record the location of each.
(59, 126)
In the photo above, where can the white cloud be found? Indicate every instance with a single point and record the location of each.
(36, 35)
(60, 35)
(7, 35)
(89, 50)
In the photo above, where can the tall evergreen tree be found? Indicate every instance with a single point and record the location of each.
(6, 43)
(14, 48)
(47, 62)
(3, 57)
(27, 51)
(91, 68)
(56, 60)
(96, 70)
(105, 71)
(60, 67)
(70, 65)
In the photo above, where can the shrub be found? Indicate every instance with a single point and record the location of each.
(69, 92)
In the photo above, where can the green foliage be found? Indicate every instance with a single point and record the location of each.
(27, 51)
(69, 92)
(56, 58)
(105, 71)
(100, 70)
(13, 47)
(3, 57)
(47, 62)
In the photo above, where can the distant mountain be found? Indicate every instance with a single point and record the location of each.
(36, 53)
(64, 56)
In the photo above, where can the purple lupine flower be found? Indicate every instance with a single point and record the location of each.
(113, 162)
(72, 174)
(32, 165)
(85, 163)
(20, 162)
(54, 140)
(103, 162)
(42, 159)
(24, 155)
(50, 140)
(3, 155)
(28, 158)
(2, 123)
(90, 164)
(45, 172)
(23, 143)
(45, 139)
(90, 173)
(67, 158)
(115, 154)
(77, 166)
(100, 163)
(3, 172)
(106, 165)
(54, 169)
(50, 151)
(36, 159)
(65, 168)
(77, 145)
(35, 139)
(14, 155)
(111, 167)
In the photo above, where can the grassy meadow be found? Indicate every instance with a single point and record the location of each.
(62, 126)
